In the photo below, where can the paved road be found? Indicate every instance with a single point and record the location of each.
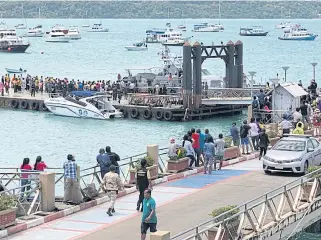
(181, 205)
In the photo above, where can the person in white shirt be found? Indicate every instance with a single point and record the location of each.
(296, 116)
(172, 149)
(285, 125)
(219, 144)
(254, 134)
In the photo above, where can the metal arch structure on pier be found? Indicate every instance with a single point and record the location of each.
(231, 53)
(278, 214)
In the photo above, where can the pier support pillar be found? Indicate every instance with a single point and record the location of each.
(230, 80)
(239, 64)
(153, 151)
(47, 191)
(187, 75)
(197, 75)
(160, 235)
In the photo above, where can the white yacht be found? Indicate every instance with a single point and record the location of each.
(283, 25)
(74, 33)
(83, 104)
(204, 27)
(10, 42)
(35, 32)
(170, 34)
(174, 41)
(141, 46)
(58, 34)
(98, 27)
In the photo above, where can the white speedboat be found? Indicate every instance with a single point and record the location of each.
(35, 32)
(300, 34)
(74, 33)
(98, 27)
(58, 34)
(137, 47)
(83, 104)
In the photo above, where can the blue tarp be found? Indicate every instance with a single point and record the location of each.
(83, 93)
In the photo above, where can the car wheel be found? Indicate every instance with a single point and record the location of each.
(306, 167)
(267, 172)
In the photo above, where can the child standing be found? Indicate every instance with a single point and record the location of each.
(220, 144)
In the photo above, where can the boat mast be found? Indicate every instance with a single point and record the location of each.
(219, 12)
(23, 15)
(39, 15)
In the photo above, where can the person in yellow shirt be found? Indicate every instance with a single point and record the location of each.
(299, 129)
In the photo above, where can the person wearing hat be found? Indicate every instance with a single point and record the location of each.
(112, 184)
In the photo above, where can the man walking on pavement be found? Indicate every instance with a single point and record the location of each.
(149, 218)
(112, 184)
(143, 181)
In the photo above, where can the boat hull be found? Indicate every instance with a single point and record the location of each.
(136, 49)
(15, 48)
(254, 34)
(310, 38)
(173, 44)
(15, 71)
(34, 35)
(58, 39)
(74, 37)
(100, 30)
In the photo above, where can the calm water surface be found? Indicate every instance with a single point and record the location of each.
(101, 56)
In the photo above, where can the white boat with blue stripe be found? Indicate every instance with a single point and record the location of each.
(83, 104)
(300, 34)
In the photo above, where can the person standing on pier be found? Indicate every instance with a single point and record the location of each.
(104, 162)
(112, 184)
(263, 143)
(196, 146)
(209, 154)
(244, 133)
(202, 140)
(149, 218)
(220, 144)
(235, 134)
(187, 144)
(143, 182)
(114, 158)
(72, 194)
(33, 89)
(2, 87)
(254, 133)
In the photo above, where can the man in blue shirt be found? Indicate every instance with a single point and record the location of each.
(104, 162)
(149, 218)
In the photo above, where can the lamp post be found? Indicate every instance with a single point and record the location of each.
(275, 81)
(314, 64)
(252, 81)
(285, 69)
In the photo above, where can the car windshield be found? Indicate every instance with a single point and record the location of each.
(290, 145)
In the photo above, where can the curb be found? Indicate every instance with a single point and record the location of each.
(22, 226)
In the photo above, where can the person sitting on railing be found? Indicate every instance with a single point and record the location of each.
(104, 162)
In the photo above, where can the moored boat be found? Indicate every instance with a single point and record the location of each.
(174, 41)
(152, 35)
(35, 32)
(10, 42)
(300, 34)
(74, 33)
(253, 31)
(98, 27)
(204, 27)
(15, 71)
(58, 34)
(83, 104)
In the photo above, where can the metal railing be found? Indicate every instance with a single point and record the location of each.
(263, 216)
(226, 93)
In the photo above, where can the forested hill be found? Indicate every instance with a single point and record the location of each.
(156, 9)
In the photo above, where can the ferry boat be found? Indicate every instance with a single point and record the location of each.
(253, 31)
(141, 46)
(98, 27)
(35, 32)
(204, 27)
(152, 35)
(174, 41)
(171, 35)
(300, 34)
(83, 104)
(58, 34)
(74, 33)
(10, 42)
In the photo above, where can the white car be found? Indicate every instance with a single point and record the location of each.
(293, 153)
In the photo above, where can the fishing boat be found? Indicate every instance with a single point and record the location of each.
(253, 31)
(15, 71)
(300, 34)
(83, 104)
(141, 46)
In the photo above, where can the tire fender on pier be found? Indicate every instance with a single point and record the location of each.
(134, 113)
(168, 116)
(14, 103)
(43, 107)
(147, 114)
(159, 115)
(35, 105)
(24, 104)
(124, 112)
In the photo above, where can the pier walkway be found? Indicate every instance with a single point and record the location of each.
(181, 204)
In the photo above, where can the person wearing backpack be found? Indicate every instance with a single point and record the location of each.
(244, 133)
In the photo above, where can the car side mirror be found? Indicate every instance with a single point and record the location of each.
(269, 147)
(310, 150)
